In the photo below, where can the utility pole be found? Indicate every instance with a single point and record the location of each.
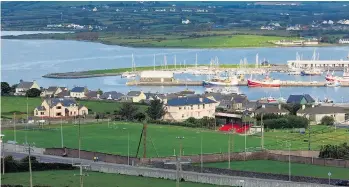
(179, 166)
(289, 160)
(29, 149)
(128, 146)
(309, 148)
(229, 150)
(262, 140)
(14, 129)
(62, 133)
(3, 154)
(201, 159)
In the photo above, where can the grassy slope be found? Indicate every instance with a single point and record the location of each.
(66, 178)
(98, 137)
(268, 166)
(9, 105)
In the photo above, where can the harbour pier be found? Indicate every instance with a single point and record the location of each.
(241, 83)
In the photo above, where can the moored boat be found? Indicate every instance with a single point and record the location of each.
(267, 82)
(229, 81)
(311, 72)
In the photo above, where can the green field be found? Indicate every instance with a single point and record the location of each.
(162, 138)
(62, 178)
(269, 166)
(18, 105)
(221, 39)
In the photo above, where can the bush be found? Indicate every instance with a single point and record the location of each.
(327, 120)
(284, 122)
(335, 151)
(12, 165)
(33, 92)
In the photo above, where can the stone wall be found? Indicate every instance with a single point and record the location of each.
(314, 154)
(219, 157)
(206, 177)
(309, 160)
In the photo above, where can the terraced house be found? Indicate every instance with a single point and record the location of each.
(182, 108)
(60, 107)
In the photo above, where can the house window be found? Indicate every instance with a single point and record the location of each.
(198, 106)
(42, 113)
(59, 107)
(203, 106)
(185, 108)
(198, 114)
(192, 107)
(36, 113)
(71, 113)
(179, 108)
(58, 114)
(182, 115)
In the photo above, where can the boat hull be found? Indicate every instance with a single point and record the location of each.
(211, 83)
(254, 83)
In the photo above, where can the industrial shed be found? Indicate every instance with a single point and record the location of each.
(156, 76)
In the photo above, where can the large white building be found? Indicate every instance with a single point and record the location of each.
(156, 76)
(344, 41)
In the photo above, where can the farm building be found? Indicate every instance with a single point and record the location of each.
(156, 76)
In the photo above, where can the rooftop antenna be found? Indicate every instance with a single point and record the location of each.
(175, 62)
(154, 62)
(196, 60)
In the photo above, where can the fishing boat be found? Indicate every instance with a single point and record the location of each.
(266, 82)
(312, 72)
(269, 99)
(333, 84)
(344, 78)
(219, 81)
(223, 90)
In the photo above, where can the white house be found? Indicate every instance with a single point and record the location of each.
(78, 92)
(344, 41)
(23, 87)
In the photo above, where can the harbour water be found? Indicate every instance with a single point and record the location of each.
(31, 59)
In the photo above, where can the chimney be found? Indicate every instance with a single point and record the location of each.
(303, 107)
(263, 106)
(279, 106)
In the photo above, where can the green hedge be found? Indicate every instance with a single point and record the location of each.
(273, 121)
(22, 165)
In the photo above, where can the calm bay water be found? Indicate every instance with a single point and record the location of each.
(31, 59)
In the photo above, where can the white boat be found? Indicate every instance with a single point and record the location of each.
(219, 81)
(128, 75)
(333, 84)
(223, 90)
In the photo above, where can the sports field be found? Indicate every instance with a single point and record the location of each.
(161, 139)
(269, 166)
(66, 178)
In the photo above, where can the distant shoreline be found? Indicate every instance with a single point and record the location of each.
(204, 42)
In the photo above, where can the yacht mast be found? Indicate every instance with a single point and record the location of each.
(196, 60)
(154, 62)
(175, 62)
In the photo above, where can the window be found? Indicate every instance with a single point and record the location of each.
(179, 108)
(192, 107)
(182, 115)
(58, 107)
(198, 114)
(203, 106)
(58, 114)
(42, 113)
(36, 113)
(185, 108)
(198, 106)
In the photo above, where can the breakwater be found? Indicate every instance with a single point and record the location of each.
(241, 83)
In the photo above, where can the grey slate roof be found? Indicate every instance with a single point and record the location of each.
(78, 89)
(65, 101)
(182, 101)
(134, 93)
(41, 108)
(25, 85)
(91, 94)
(271, 109)
(113, 94)
(52, 88)
(63, 94)
(296, 99)
(323, 110)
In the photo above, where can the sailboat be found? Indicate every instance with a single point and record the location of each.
(131, 74)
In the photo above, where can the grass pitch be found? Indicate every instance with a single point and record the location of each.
(161, 139)
(269, 166)
(94, 179)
